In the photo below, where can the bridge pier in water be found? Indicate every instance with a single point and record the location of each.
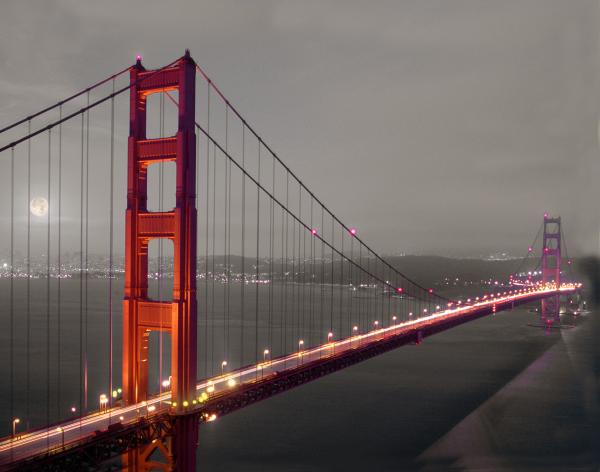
(142, 315)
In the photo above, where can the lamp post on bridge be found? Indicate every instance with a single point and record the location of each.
(61, 430)
(300, 345)
(15, 422)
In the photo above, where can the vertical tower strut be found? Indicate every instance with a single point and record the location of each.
(141, 315)
(551, 257)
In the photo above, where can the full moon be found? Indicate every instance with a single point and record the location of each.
(39, 206)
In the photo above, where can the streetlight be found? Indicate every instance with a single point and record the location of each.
(103, 401)
(223, 365)
(73, 410)
(166, 383)
(329, 336)
(266, 352)
(394, 318)
(354, 330)
(61, 430)
(300, 344)
(376, 324)
(15, 422)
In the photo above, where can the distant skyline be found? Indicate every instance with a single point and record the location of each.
(434, 127)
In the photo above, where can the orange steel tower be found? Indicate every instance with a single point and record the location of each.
(140, 314)
(551, 257)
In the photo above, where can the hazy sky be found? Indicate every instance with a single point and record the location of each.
(432, 126)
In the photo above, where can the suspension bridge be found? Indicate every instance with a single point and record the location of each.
(237, 281)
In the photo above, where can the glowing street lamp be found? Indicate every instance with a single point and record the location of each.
(73, 410)
(329, 336)
(103, 400)
(394, 318)
(166, 383)
(300, 345)
(15, 422)
(266, 352)
(223, 365)
(376, 324)
(61, 430)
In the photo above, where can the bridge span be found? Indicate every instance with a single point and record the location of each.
(113, 431)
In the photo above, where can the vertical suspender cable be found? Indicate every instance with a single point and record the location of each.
(271, 229)
(81, 360)
(351, 318)
(48, 288)
(228, 236)
(87, 225)
(207, 233)
(302, 264)
(12, 282)
(59, 273)
(28, 342)
(226, 246)
(321, 317)
(287, 236)
(212, 297)
(243, 275)
(312, 277)
(293, 308)
(341, 306)
(110, 246)
(197, 157)
(256, 282)
(283, 286)
(332, 274)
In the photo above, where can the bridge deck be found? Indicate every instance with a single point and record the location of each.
(239, 388)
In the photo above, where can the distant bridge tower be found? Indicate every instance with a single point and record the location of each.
(551, 258)
(177, 316)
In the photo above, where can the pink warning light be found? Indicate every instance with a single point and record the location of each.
(400, 290)
(313, 231)
(138, 57)
(545, 215)
(530, 249)
(353, 231)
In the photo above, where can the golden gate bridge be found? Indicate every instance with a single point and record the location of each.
(237, 282)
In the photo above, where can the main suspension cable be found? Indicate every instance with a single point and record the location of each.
(64, 101)
(210, 83)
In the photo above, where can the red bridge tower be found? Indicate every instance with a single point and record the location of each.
(551, 257)
(142, 315)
